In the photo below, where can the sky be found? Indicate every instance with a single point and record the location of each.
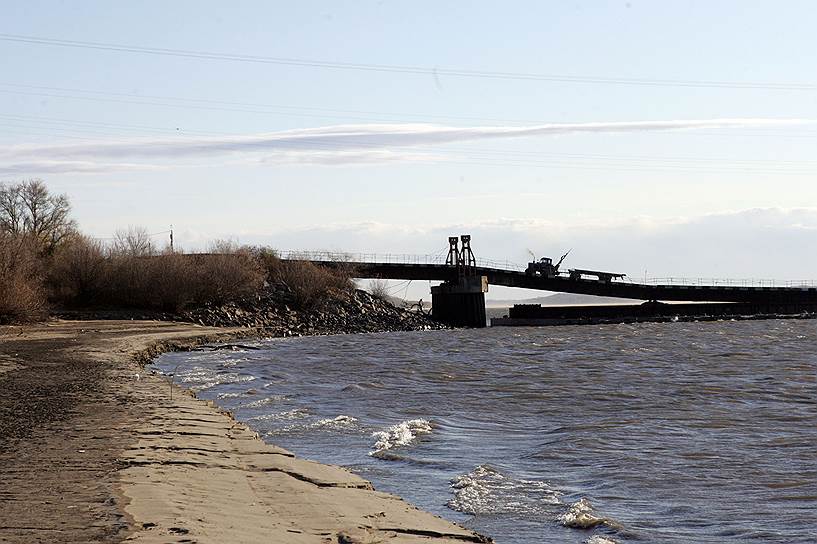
(652, 138)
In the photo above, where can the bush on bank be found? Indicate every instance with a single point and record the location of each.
(46, 263)
(311, 285)
(84, 274)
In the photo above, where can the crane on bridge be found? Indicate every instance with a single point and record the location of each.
(545, 268)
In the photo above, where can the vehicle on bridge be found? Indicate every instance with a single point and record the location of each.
(544, 267)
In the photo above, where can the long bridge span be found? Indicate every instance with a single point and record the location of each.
(739, 291)
(465, 281)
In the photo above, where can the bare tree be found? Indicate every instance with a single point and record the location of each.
(29, 209)
(133, 241)
(11, 213)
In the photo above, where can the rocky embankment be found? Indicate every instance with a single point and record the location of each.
(276, 312)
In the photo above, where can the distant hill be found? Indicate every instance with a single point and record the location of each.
(562, 299)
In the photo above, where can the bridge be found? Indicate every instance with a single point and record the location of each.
(460, 299)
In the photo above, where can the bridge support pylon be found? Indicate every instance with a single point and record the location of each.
(460, 303)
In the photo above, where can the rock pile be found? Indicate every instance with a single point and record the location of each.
(275, 312)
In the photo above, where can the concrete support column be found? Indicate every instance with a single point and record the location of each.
(461, 303)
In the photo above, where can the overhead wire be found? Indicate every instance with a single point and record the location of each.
(271, 109)
(249, 107)
(404, 69)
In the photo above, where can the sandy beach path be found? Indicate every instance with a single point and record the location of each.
(94, 449)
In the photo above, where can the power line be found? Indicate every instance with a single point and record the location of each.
(208, 105)
(389, 68)
(186, 102)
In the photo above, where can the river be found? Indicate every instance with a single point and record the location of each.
(674, 432)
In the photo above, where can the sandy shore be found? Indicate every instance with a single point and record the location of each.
(94, 449)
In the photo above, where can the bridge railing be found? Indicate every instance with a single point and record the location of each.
(439, 259)
(724, 282)
(343, 257)
(387, 258)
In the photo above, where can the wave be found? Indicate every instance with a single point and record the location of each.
(203, 378)
(361, 386)
(262, 402)
(296, 413)
(231, 395)
(338, 423)
(580, 515)
(598, 539)
(486, 490)
(401, 434)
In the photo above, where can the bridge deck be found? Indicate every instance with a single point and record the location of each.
(620, 289)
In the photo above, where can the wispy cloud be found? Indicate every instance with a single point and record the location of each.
(38, 167)
(338, 158)
(342, 144)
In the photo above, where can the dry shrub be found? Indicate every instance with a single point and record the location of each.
(226, 273)
(85, 275)
(311, 285)
(22, 296)
(78, 272)
(173, 282)
(379, 289)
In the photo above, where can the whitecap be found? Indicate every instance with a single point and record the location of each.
(230, 395)
(262, 402)
(296, 413)
(486, 490)
(401, 434)
(205, 379)
(580, 515)
(339, 422)
(598, 539)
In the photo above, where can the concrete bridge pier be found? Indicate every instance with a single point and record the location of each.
(460, 303)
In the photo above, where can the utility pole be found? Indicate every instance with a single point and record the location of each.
(171, 238)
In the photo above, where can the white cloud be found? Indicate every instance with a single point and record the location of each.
(339, 158)
(769, 243)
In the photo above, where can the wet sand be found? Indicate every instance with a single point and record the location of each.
(95, 449)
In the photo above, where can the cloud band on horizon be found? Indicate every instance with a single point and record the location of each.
(340, 144)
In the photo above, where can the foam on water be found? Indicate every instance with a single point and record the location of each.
(338, 423)
(295, 413)
(200, 379)
(401, 434)
(486, 490)
(580, 515)
(598, 539)
(262, 402)
(230, 395)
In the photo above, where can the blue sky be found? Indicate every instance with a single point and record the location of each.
(251, 150)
